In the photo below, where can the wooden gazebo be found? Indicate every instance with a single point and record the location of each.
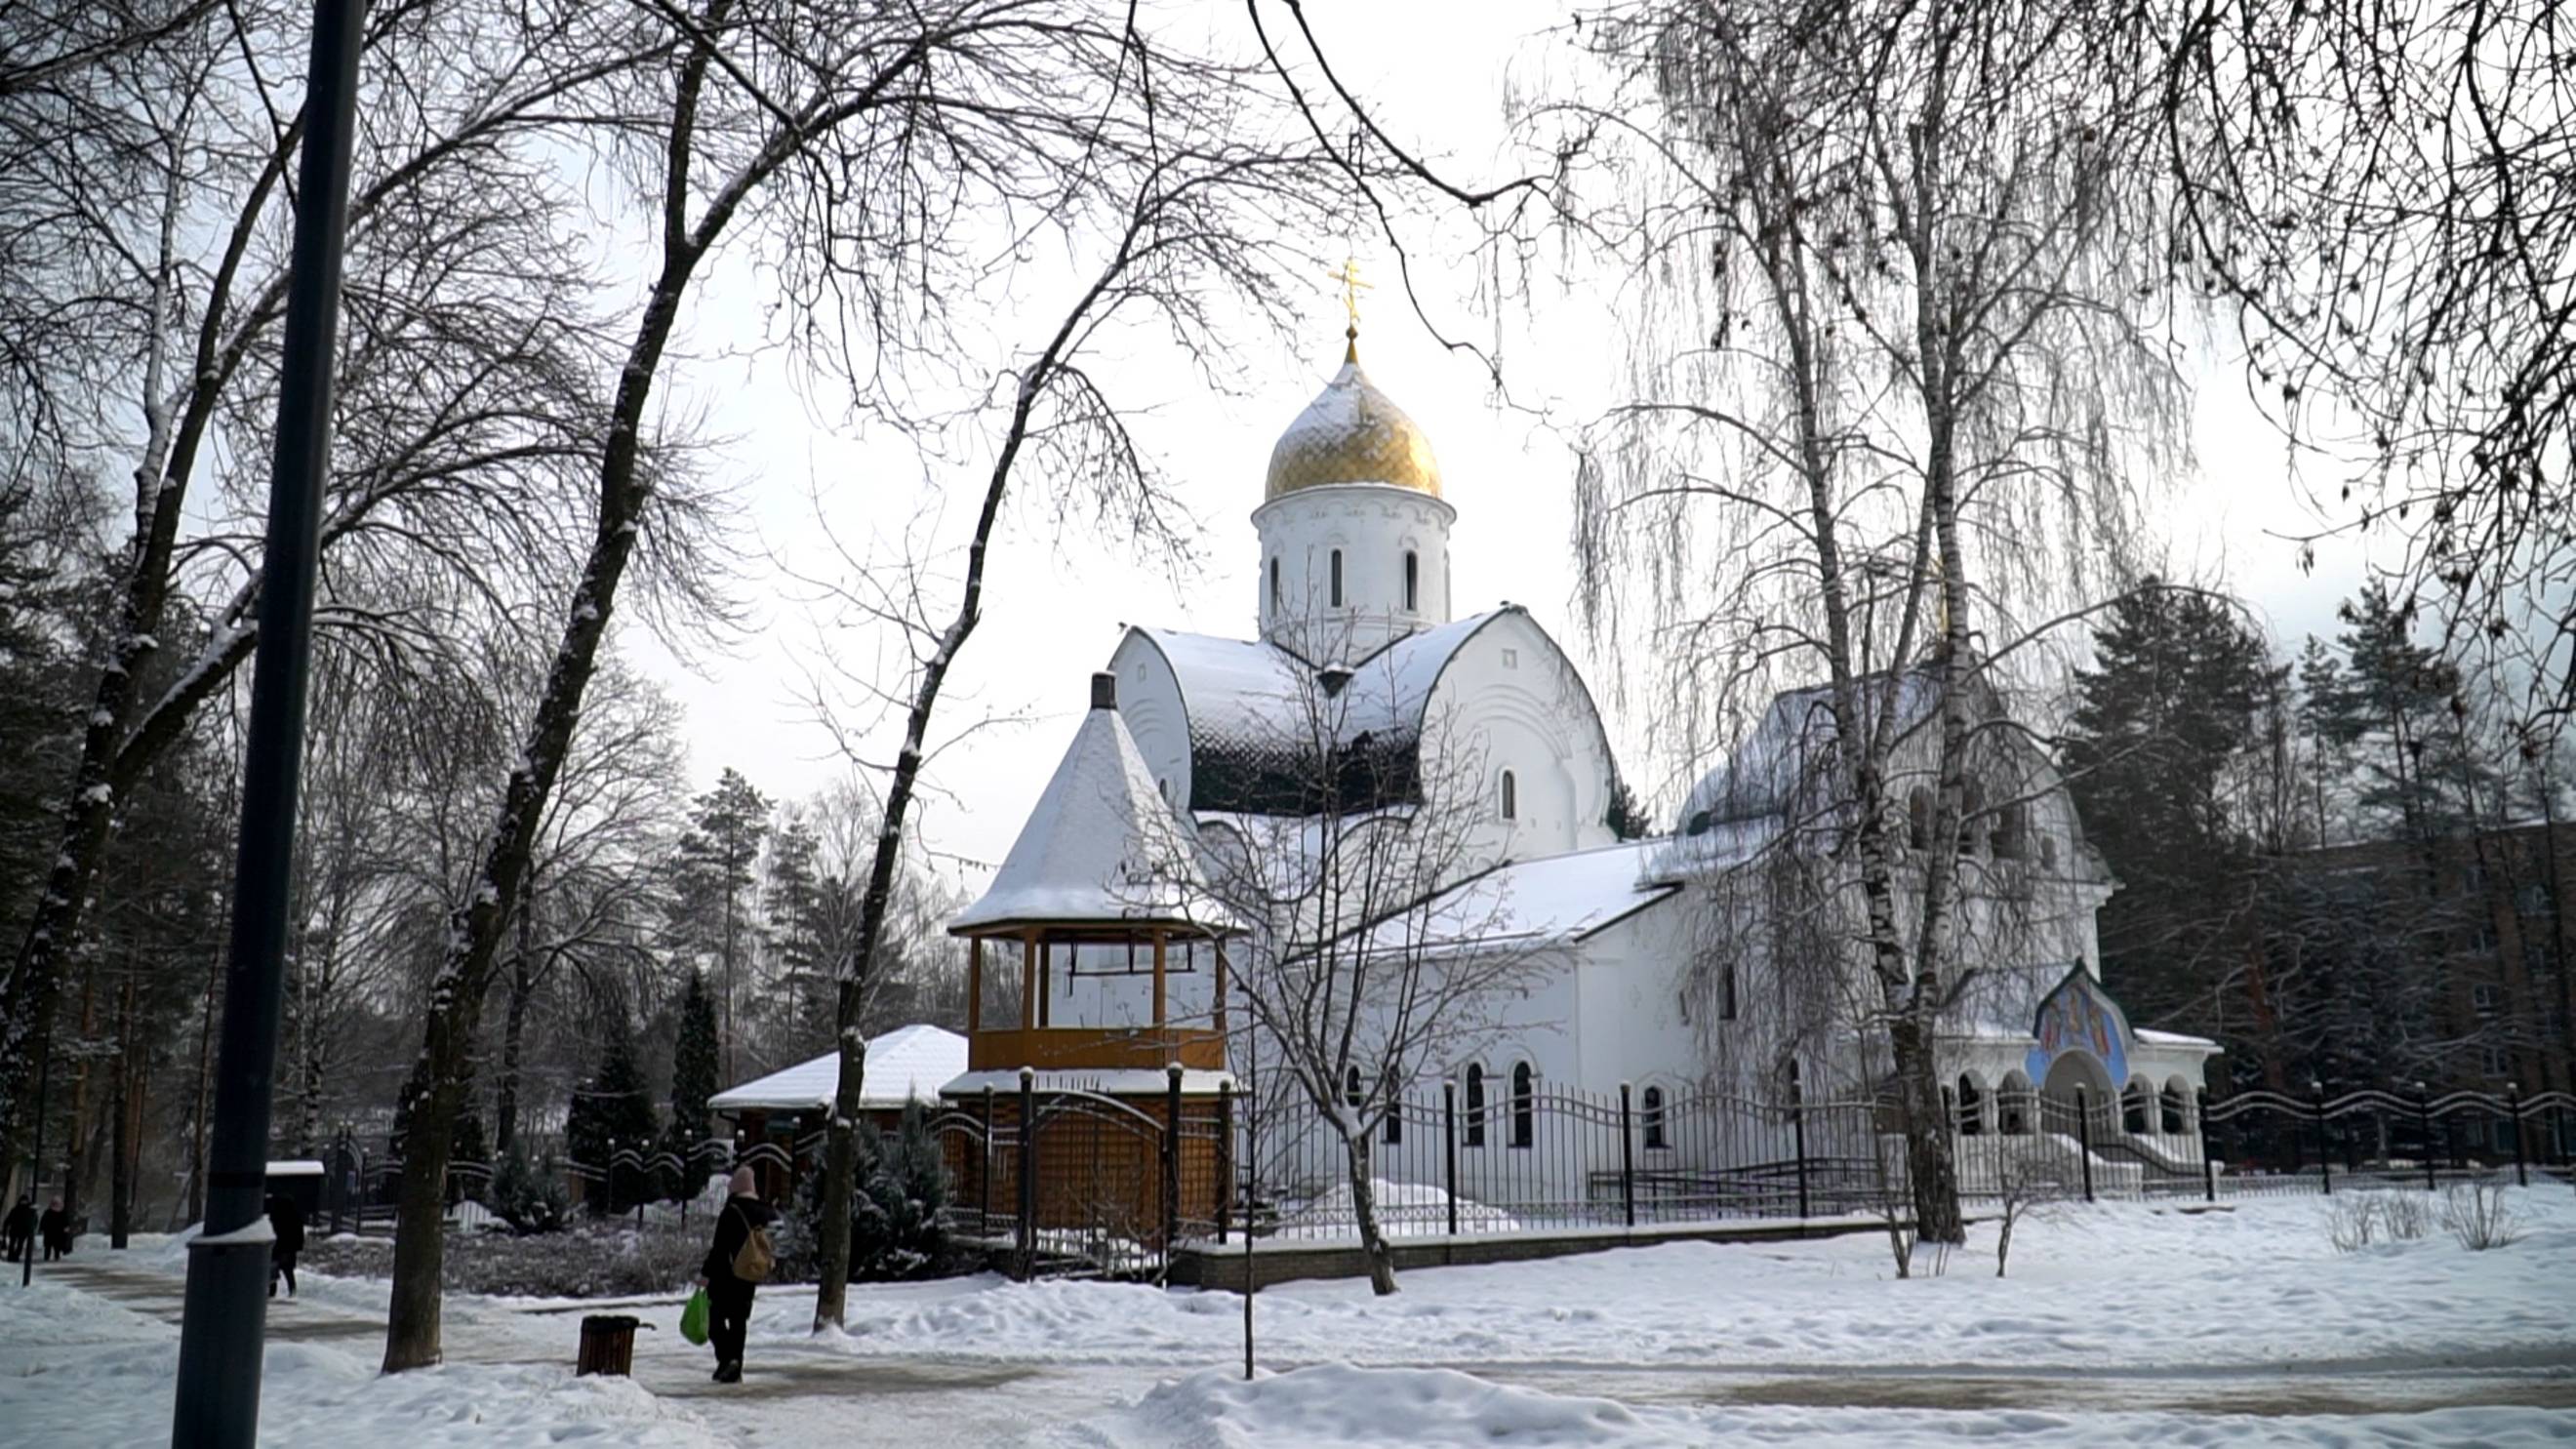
(1097, 994)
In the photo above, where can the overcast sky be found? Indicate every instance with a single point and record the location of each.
(1058, 598)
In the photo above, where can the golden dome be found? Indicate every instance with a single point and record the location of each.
(1352, 433)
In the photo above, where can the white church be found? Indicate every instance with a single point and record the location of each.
(1103, 956)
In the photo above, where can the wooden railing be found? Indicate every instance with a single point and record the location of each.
(1095, 1047)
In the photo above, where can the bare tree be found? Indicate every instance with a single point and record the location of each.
(862, 141)
(1891, 372)
(2372, 192)
(1379, 956)
(467, 392)
(2028, 1185)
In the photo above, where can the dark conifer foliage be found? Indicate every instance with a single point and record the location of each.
(2166, 732)
(693, 1081)
(613, 1113)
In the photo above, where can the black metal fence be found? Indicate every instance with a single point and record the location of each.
(1082, 1182)
(2277, 1142)
(1446, 1162)
(1538, 1159)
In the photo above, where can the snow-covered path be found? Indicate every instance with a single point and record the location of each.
(2119, 1325)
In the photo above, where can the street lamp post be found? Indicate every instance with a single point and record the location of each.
(222, 1336)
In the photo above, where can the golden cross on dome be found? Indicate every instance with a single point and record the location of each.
(1348, 274)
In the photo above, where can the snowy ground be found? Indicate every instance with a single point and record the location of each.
(2122, 1325)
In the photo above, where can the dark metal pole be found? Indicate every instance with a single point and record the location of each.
(1171, 1164)
(2424, 1125)
(2513, 1103)
(1224, 1158)
(2084, 1137)
(2208, 1163)
(223, 1336)
(1028, 1183)
(1798, 1138)
(1627, 1161)
(2325, 1147)
(44, 1076)
(1449, 1135)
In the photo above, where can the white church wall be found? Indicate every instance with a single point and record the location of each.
(1149, 696)
(1373, 526)
(1635, 1025)
(1510, 700)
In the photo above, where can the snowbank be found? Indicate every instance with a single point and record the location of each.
(1338, 1407)
(1405, 1209)
(2118, 1284)
(1344, 1408)
(77, 1369)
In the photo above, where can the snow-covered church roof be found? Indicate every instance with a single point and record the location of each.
(909, 1063)
(1546, 901)
(1101, 845)
(1780, 773)
(1257, 712)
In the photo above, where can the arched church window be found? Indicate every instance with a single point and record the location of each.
(1972, 1107)
(1524, 1105)
(1972, 807)
(1337, 578)
(2012, 1105)
(2048, 852)
(1511, 797)
(1650, 1115)
(1726, 992)
(1918, 818)
(1351, 1085)
(1394, 1131)
(1412, 580)
(1274, 583)
(2011, 837)
(2133, 1108)
(2173, 1109)
(1475, 1104)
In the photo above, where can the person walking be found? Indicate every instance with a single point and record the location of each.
(286, 1224)
(55, 1227)
(18, 1234)
(736, 1263)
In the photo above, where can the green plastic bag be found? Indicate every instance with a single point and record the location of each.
(693, 1319)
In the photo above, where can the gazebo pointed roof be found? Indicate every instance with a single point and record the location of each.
(1101, 847)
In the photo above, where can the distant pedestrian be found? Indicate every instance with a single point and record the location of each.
(286, 1222)
(55, 1227)
(740, 1258)
(18, 1235)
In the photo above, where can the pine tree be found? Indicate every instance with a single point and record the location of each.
(613, 1112)
(2175, 705)
(2391, 708)
(800, 935)
(693, 1081)
(718, 858)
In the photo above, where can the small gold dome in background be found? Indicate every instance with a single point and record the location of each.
(1352, 433)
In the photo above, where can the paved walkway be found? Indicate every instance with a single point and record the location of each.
(790, 1391)
(793, 1390)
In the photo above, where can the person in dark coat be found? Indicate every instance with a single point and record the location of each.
(286, 1221)
(729, 1297)
(55, 1227)
(19, 1233)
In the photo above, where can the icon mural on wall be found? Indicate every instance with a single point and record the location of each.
(2079, 1015)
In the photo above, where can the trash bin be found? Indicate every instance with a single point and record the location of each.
(607, 1344)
